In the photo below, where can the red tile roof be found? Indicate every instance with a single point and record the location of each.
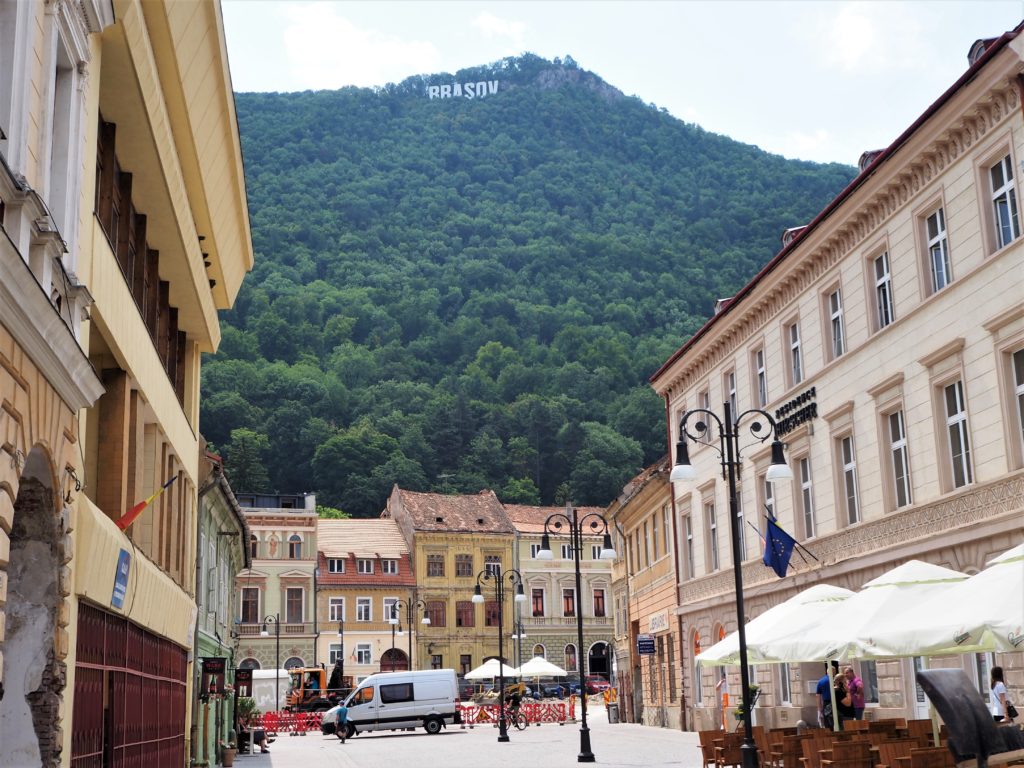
(474, 513)
(529, 519)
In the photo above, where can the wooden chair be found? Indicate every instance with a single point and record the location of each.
(857, 725)
(812, 749)
(790, 751)
(932, 757)
(891, 750)
(920, 728)
(728, 749)
(707, 746)
(854, 753)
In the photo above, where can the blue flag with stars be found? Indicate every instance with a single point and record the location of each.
(778, 548)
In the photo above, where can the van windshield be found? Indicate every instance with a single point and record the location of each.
(362, 696)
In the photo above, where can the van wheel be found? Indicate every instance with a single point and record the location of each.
(433, 725)
(350, 730)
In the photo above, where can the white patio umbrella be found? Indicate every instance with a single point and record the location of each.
(803, 610)
(538, 666)
(489, 669)
(982, 613)
(849, 632)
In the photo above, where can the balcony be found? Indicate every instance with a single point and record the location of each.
(565, 621)
(288, 629)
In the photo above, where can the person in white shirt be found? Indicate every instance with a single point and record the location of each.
(997, 701)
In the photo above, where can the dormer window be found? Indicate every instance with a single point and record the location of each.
(364, 565)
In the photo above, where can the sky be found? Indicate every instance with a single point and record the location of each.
(821, 81)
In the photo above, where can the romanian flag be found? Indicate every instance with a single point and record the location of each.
(129, 517)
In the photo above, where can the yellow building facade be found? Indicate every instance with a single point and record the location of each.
(123, 201)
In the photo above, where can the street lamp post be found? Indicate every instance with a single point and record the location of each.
(276, 620)
(519, 635)
(728, 449)
(599, 527)
(499, 577)
(341, 643)
(407, 606)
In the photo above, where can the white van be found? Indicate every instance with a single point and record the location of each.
(393, 700)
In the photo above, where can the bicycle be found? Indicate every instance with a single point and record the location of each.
(516, 718)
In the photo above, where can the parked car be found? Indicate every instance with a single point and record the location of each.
(596, 684)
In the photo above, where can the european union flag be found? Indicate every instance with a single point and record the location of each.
(778, 548)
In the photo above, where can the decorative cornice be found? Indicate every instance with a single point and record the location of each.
(954, 347)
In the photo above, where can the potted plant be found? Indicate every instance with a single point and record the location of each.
(755, 691)
(228, 750)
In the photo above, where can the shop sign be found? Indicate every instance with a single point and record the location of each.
(124, 567)
(797, 411)
(645, 645)
(658, 622)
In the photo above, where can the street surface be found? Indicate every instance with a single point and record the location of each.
(544, 746)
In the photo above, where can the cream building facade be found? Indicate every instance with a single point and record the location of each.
(549, 616)
(122, 178)
(887, 339)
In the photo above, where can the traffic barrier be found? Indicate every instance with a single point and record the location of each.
(536, 712)
(292, 723)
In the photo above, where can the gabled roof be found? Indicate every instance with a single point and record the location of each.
(377, 537)
(474, 513)
(528, 519)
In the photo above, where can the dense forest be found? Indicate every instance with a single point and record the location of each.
(457, 294)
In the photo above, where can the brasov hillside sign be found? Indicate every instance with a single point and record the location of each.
(463, 90)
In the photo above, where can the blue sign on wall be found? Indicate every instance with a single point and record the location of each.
(645, 645)
(124, 566)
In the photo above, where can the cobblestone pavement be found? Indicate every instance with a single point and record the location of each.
(548, 745)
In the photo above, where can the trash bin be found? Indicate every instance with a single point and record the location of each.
(613, 713)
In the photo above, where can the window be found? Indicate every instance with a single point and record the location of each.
(956, 428)
(785, 693)
(667, 530)
(250, 605)
(869, 676)
(570, 658)
(595, 551)
(335, 565)
(671, 670)
(389, 567)
(333, 653)
(537, 601)
(492, 612)
(390, 608)
(465, 616)
(769, 497)
(760, 378)
(436, 661)
(712, 529)
(254, 547)
(729, 385)
(938, 251)
(465, 663)
(654, 535)
(364, 609)
(435, 565)
(599, 610)
(566, 552)
(538, 650)
(688, 530)
(568, 602)
(900, 458)
(363, 655)
(806, 497)
(492, 564)
(464, 565)
(1018, 393)
(436, 612)
(295, 547)
(885, 311)
(647, 546)
(534, 549)
(395, 693)
(336, 609)
(848, 463)
(1004, 202)
(364, 565)
(837, 331)
(796, 362)
(293, 605)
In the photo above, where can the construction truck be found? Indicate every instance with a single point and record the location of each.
(310, 692)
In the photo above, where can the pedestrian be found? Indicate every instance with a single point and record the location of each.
(341, 722)
(998, 701)
(722, 700)
(844, 701)
(823, 690)
(856, 687)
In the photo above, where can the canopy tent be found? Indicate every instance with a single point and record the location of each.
(489, 670)
(538, 666)
(803, 610)
(849, 632)
(982, 613)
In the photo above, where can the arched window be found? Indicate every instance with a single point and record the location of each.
(295, 546)
(249, 663)
(294, 662)
(538, 650)
(570, 658)
(254, 546)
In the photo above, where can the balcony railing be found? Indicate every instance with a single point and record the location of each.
(562, 621)
(287, 629)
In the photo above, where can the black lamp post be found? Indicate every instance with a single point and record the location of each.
(341, 642)
(407, 606)
(499, 577)
(728, 434)
(276, 621)
(519, 635)
(598, 526)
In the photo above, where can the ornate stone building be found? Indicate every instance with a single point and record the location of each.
(888, 338)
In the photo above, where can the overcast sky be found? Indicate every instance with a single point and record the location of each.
(812, 80)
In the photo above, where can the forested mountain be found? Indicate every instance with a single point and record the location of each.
(466, 293)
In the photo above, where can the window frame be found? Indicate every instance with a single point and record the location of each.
(730, 390)
(334, 603)
(335, 565)
(435, 565)
(1000, 157)
(290, 601)
(535, 593)
(792, 340)
(242, 602)
(960, 423)
(898, 448)
(464, 565)
(569, 603)
(883, 298)
(364, 609)
(759, 378)
(935, 281)
(804, 493)
(295, 547)
(465, 613)
(389, 567)
(847, 489)
(714, 560)
(364, 566)
(834, 313)
(364, 653)
(690, 565)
